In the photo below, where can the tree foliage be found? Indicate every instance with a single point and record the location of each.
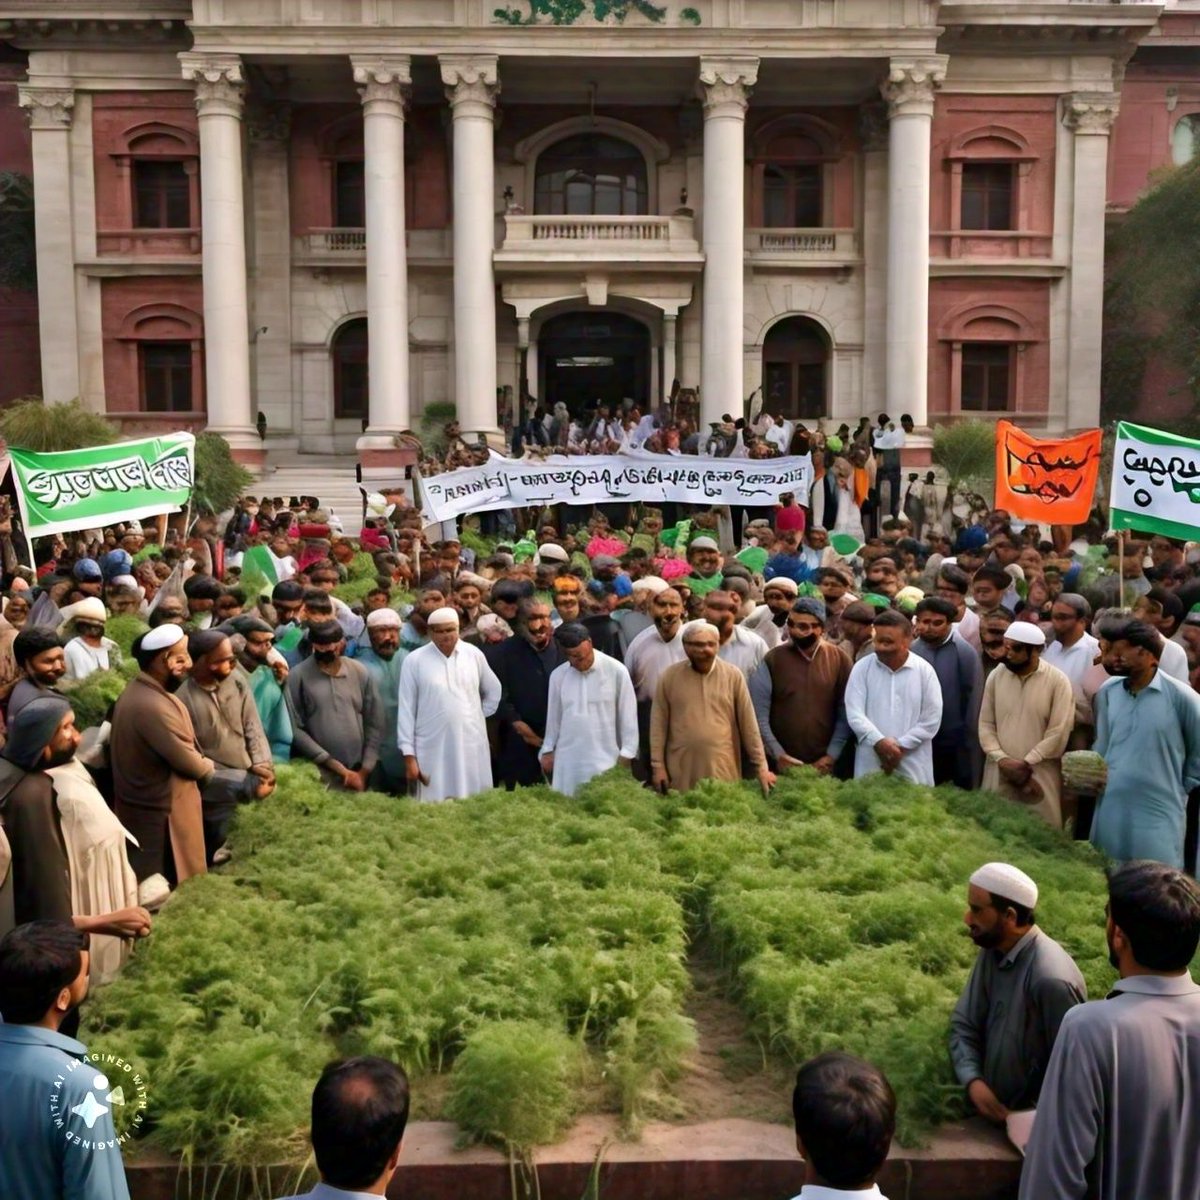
(966, 451)
(1152, 299)
(31, 424)
(18, 250)
(219, 480)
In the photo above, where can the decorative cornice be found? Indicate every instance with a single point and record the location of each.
(912, 83)
(725, 84)
(47, 107)
(384, 79)
(1091, 112)
(470, 79)
(220, 84)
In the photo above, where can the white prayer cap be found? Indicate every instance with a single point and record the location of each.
(650, 583)
(703, 543)
(1010, 882)
(383, 618)
(551, 552)
(90, 609)
(1025, 632)
(163, 637)
(781, 583)
(693, 629)
(442, 616)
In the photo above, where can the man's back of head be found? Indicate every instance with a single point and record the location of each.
(1153, 918)
(359, 1111)
(845, 1114)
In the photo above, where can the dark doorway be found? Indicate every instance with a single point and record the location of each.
(350, 370)
(795, 359)
(585, 357)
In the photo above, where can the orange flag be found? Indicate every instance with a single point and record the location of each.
(1046, 479)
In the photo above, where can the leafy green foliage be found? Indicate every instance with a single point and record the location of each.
(32, 425)
(91, 698)
(567, 12)
(219, 480)
(966, 450)
(534, 948)
(18, 253)
(125, 630)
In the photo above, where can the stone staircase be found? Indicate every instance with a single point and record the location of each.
(329, 477)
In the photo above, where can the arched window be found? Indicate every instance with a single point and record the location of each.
(1185, 138)
(790, 160)
(350, 371)
(167, 340)
(795, 357)
(987, 344)
(988, 169)
(347, 168)
(591, 174)
(162, 162)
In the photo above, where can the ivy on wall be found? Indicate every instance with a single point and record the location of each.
(567, 12)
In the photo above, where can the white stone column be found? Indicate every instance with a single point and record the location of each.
(1090, 115)
(848, 405)
(909, 90)
(471, 87)
(670, 369)
(725, 85)
(220, 99)
(50, 110)
(383, 85)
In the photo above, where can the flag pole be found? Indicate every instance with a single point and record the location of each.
(1120, 568)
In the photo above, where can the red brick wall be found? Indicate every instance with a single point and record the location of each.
(20, 360)
(1141, 136)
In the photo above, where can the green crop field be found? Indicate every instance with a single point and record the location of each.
(524, 956)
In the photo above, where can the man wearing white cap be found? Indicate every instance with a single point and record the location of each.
(383, 658)
(447, 691)
(1024, 724)
(89, 650)
(1022, 985)
(157, 765)
(704, 557)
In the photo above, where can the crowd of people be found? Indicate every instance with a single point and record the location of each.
(1049, 666)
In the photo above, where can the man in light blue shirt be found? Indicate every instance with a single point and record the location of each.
(57, 1140)
(1148, 733)
(359, 1111)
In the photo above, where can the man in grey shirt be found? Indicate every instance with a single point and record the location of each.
(337, 711)
(1119, 1117)
(1022, 985)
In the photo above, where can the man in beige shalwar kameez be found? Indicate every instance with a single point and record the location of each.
(702, 719)
(1027, 714)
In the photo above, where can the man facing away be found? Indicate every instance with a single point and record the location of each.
(45, 1078)
(591, 720)
(1022, 985)
(845, 1115)
(894, 705)
(447, 691)
(359, 1111)
(1118, 1116)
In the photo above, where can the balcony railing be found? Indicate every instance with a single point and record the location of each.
(802, 247)
(661, 240)
(336, 241)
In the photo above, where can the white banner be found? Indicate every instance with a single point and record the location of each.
(1155, 482)
(614, 478)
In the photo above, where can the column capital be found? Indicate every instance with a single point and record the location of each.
(220, 83)
(47, 107)
(911, 84)
(472, 82)
(725, 84)
(1091, 112)
(383, 80)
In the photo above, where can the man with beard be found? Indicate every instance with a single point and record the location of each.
(383, 658)
(1026, 718)
(1022, 985)
(337, 711)
(737, 646)
(523, 664)
(1117, 1116)
(649, 655)
(799, 692)
(956, 743)
(992, 627)
(704, 558)
(157, 766)
(44, 1153)
(39, 654)
(265, 674)
(703, 719)
(414, 633)
(1148, 732)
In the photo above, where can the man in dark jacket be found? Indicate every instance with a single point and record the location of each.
(523, 665)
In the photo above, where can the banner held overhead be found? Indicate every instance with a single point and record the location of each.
(1155, 482)
(1046, 479)
(95, 486)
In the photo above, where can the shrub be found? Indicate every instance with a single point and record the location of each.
(30, 424)
(966, 451)
(219, 480)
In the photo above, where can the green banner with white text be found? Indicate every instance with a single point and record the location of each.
(99, 485)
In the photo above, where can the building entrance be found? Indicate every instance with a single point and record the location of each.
(585, 357)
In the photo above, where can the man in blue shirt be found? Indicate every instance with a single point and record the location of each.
(57, 1140)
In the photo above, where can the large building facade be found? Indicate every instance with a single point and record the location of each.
(334, 213)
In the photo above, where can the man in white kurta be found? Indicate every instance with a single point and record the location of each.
(447, 692)
(894, 705)
(591, 719)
